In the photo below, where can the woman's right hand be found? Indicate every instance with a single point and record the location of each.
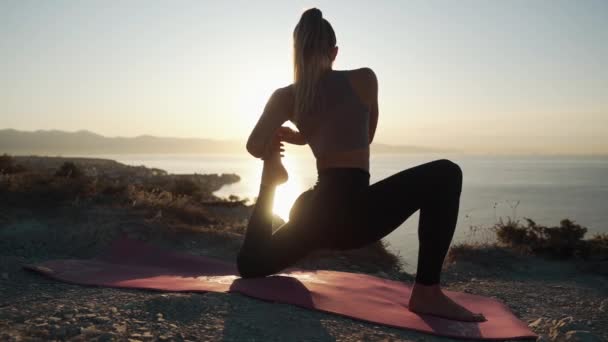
(290, 136)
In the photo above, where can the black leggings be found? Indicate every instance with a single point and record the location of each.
(343, 211)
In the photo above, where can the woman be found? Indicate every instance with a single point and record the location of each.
(336, 113)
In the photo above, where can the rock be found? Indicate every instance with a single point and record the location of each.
(537, 323)
(559, 329)
(106, 337)
(89, 330)
(604, 305)
(64, 332)
(91, 315)
(114, 310)
(54, 319)
(542, 338)
(121, 328)
(102, 319)
(581, 336)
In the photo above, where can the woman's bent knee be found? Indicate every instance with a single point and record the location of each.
(249, 267)
(452, 173)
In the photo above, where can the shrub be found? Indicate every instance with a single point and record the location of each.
(565, 240)
(185, 186)
(597, 247)
(8, 166)
(69, 170)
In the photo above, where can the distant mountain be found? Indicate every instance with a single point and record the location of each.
(55, 142)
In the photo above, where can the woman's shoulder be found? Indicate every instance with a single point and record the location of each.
(282, 93)
(365, 74)
(364, 82)
(282, 98)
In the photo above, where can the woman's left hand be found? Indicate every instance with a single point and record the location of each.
(290, 136)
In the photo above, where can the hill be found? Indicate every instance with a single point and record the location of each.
(53, 142)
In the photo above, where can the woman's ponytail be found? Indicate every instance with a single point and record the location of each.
(313, 40)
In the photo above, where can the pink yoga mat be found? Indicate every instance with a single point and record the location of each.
(135, 264)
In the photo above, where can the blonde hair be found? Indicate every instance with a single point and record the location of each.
(313, 39)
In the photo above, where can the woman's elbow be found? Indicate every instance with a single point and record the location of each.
(254, 150)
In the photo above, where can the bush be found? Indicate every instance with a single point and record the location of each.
(69, 170)
(597, 247)
(565, 240)
(8, 166)
(185, 186)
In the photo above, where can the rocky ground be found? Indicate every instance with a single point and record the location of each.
(561, 300)
(558, 299)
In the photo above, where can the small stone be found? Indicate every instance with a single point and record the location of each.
(90, 315)
(173, 326)
(562, 326)
(106, 337)
(163, 337)
(121, 328)
(542, 338)
(581, 336)
(147, 334)
(54, 319)
(89, 330)
(537, 323)
(102, 319)
(114, 310)
(135, 335)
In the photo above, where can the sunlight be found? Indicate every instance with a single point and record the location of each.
(253, 89)
(287, 193)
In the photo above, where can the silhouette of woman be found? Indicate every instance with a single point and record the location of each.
(336, 113)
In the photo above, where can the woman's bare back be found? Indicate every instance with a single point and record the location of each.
(364, 84)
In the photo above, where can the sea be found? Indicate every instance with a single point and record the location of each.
(545, 189)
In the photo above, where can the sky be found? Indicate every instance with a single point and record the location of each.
(488, 77)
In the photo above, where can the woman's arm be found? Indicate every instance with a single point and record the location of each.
(290, 136)
(274, 115)
(373, 113)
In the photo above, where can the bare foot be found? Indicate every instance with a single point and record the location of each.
(274, 173)
(431, 300)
